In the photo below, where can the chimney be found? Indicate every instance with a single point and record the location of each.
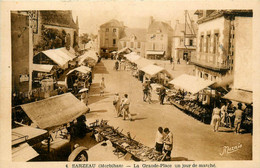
(151, 20)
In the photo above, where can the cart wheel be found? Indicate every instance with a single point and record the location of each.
(82, 156)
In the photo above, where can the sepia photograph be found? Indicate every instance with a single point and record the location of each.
(122, 83)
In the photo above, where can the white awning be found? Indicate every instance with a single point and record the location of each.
(82, 69)
(155, 52)
(123, 50)
(42, 67)
(190, 83)
(55, 111)
(23, 153)
(240, 96)
(89, 54)
(142, 62)
(152, 69)
(132, 56)
(60, 55)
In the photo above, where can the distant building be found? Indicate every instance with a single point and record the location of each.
(108, 36)
(184, 40)
(223, 36)
(134, 39)
(158, 40)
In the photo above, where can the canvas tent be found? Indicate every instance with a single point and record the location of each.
(55, 111)
(60, 56)
(190, 83)
(88, 55)
(242, 96)
(152, 70)
(82, 69)
(132, 56)
(42, 67)
(142, 62)
(124, 50)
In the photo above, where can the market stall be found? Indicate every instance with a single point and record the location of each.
(89, 59)
(23, 138)
(79, 76)
(156, 74)
(127, 145)
(192, 95)
(246, 97)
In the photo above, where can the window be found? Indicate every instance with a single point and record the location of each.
(208, 44)
(114, 41)
(153, 46)
(107, 29)
(162, 37)
(114, 30)
(132, 45)
(138, 44)
(216, 43)
(201, 43)
(191, 42)
(124, 44)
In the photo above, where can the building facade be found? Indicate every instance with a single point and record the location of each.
(108, 36)
(133, 39)
(216, 42)
(158, 40)
(184, 40)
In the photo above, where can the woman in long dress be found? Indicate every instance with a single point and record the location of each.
(102, 86)
(215, 118)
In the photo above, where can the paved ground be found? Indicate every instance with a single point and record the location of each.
(193, 140)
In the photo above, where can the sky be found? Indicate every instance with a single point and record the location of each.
(133, 15)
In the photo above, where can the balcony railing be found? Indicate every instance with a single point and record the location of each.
(210, 61)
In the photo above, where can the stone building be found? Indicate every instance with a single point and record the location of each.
(134, 39)
(108, 36)
(221, 38)
(184, 40)
(158, 40)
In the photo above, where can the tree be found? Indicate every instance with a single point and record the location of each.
(85, 38)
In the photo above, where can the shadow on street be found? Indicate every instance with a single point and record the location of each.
(180, 159)
(100, 69)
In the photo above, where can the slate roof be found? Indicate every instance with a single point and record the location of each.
(139, 33)
(113, 23)
(61, 18)
(159, 25)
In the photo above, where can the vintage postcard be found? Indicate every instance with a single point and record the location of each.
(138, 84)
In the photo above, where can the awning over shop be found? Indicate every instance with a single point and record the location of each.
(28, 134)
(186, 47)
(240, 96)
(190, 83)
(42, 67)
(152, 69)
(55, 111)
(132, 56)
(87, 55)
(142, 62)
(82, 69)
(23, 153)
(123, 50)
(60, 55)
(155, 52)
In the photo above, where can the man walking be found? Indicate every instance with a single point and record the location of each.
(125, 107)
(238, 118)
(168, 142)
(162, 94)
(145, 90)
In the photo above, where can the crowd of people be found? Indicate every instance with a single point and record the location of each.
(230, 116)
